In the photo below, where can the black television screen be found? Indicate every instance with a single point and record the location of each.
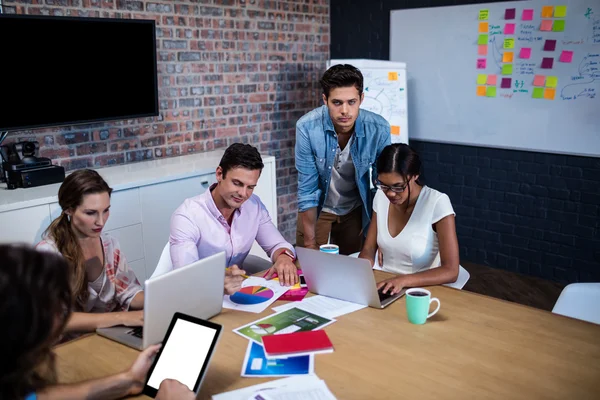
(59, 71)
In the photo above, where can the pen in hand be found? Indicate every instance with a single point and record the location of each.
(243, 276)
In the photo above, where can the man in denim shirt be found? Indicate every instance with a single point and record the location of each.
(336, 148)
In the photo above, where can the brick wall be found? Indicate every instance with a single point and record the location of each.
(228, 71)
(522, 211)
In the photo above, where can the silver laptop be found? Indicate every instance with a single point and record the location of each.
(196, 290)
(342, 277)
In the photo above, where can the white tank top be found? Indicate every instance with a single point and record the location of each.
(416, 247)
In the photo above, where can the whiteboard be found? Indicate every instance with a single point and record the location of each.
(384, 87)
(440, 48)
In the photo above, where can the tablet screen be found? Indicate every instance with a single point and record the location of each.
(184, 354)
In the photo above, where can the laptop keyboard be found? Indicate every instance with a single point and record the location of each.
(384, 296)
(137, 332)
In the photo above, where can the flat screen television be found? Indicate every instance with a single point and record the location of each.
(62, 71)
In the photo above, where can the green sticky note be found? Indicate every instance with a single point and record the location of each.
(483, 14)
(491, 91)
(560, 11)
(551, 81)
(559, 25)
(509, 43)
(481, 79)
(507, 69)
(483, 39)
(538, 93)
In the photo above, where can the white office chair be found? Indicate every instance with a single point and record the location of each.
(581, 301)
(164, 263)
(463, 274)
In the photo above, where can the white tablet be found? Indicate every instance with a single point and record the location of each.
(185, 353)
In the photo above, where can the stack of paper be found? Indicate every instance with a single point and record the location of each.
(322, 305)
(300, 387)
(255, 296)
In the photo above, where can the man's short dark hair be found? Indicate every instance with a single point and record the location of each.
(341, 75)
(241, 155)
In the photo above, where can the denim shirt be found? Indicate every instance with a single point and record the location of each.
(316, 144)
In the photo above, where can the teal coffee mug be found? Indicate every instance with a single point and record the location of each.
(417, 305)
(330, 248)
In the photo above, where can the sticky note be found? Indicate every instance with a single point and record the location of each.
(510, 13)
(547, 11)
(395, 130)
(392, 76)
(527, 15)
(492, 79)
(546, 25)
(509, 29)
(506, 83)
(560, 11)
(550, 45)
(508, 56)
(551, 81)
(481, 63)
(559, 25)
(566, 56)
(525, 52)
(548, 93)
(507, 69)
(484, 27)
(483, 14)
(481, 90)
(547, 62)
(539, 80)
(491, 91)
(483, 39)
(482, 49)
(509, 43)
(481, 79)
(538, 93)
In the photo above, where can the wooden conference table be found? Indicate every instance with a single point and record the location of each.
(475, 347)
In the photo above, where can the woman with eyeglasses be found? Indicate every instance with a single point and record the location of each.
(412, 226)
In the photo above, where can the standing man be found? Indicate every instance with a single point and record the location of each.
(337, 145)
(229, 217)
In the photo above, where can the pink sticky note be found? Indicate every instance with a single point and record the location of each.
(566, 56)
(539, 80)
(547, 62)
(527, 15)
(525, 52)
(546, 25)
(481, 63)
(509, 29)
(550, 45)
(492, 79)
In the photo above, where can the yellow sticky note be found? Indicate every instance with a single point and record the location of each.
(547, 11)
(483, 14)
(481, 79)
(560, 11)
(551, 81)
(508, 56)
(509, 43)
(481, 90)
(549, 94)
(392, 76)
(395, 130)
(484, 27)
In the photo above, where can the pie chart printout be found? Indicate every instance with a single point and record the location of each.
(252, 295)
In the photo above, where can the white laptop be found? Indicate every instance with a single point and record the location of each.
(196, 290)
(342, 277)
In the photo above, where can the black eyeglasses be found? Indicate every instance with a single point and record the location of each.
(395, 189)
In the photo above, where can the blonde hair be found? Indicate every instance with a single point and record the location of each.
(70, 196)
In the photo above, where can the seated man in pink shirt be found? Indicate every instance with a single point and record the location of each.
(229, 217)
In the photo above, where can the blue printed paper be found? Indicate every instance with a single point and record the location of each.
(257, 365)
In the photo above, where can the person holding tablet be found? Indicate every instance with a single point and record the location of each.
(413, 225)
(35, 305)
(105, 289)
(230, 217)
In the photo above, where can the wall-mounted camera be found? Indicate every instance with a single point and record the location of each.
(23, 168)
